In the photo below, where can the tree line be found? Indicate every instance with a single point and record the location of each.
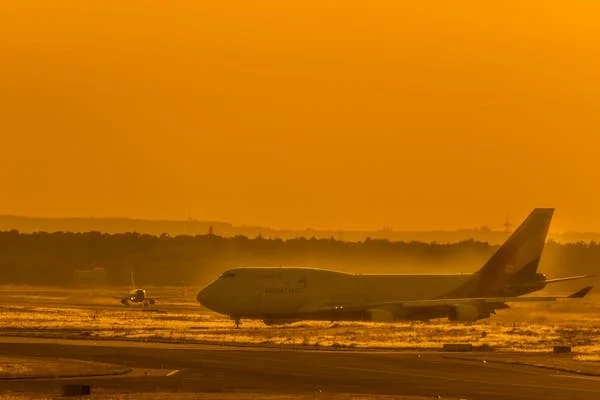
(53, 258)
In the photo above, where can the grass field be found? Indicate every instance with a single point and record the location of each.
(39, 367)
(85, 313)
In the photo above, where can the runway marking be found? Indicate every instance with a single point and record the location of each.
(173, 372)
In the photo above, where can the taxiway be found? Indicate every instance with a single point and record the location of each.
(214, 368)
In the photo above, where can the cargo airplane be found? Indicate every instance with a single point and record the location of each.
(283, 295)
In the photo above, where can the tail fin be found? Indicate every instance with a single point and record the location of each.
(132, 283)
(518, 257)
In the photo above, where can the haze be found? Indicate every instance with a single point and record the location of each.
(432, 115)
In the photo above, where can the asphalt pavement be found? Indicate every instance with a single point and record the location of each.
(213, 368)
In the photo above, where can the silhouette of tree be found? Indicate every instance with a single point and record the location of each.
(44, 258)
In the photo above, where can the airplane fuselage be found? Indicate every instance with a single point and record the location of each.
(280, 294)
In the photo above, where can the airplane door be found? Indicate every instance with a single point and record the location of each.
(360, 290)
(302, 285)
(259, 297)
(260, 294)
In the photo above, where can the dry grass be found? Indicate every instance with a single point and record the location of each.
(178, 318)
(33, 367)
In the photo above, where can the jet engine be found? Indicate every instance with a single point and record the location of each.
(270, 322)
(467, 313)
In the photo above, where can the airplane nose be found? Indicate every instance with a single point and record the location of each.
(202, 296)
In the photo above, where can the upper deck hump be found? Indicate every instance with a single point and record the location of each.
(275, 270)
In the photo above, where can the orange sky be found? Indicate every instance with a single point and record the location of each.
(308, 113)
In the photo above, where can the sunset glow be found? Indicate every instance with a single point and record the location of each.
(435, 115)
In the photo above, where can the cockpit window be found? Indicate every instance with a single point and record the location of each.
(228, 275)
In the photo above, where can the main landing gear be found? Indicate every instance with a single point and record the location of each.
(237, 323)
(147, 303)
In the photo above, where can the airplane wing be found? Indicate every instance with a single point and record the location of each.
(568, 278)
(448, 302)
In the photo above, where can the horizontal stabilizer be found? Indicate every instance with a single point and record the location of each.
(547, 281)
(581, 293)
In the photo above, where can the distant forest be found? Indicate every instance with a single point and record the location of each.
(194, 227)
(55, 258)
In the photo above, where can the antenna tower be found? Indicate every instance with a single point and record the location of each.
(507, 224)
(189, 222)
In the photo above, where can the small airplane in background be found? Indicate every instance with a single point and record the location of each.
(137, 296)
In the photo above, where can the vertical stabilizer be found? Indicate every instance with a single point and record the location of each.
(519, 256)
(132, 283)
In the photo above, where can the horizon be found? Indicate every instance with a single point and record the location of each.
(499, 229)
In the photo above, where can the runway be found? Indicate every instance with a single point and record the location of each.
(199, 368)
